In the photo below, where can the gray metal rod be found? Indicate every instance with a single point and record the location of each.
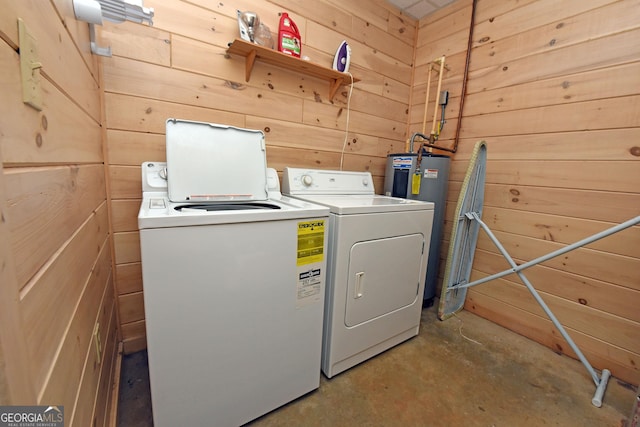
(548, 256)
(540, 301)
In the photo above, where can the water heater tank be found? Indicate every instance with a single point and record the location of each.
(434, 172)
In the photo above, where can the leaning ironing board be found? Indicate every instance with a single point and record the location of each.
(462, 249)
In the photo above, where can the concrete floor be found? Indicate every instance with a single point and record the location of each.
(463, 371)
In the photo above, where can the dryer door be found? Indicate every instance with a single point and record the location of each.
(384, 275)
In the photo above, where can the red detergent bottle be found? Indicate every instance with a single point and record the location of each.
(289, 36)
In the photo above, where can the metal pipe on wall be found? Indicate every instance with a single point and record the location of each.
(465, 77)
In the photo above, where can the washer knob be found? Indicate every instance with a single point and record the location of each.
(307, 180)
(365, 182)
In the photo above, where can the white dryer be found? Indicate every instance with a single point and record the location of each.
(233, 277)
(377, 260)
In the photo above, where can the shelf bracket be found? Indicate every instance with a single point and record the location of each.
(334, 85)
(249, 62)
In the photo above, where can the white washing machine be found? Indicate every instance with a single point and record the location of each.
(377, 260)
(234, 280)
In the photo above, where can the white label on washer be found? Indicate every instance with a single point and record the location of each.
(431, 173)
(309, 285)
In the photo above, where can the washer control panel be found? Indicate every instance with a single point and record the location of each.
(154, 176)
(298, 181)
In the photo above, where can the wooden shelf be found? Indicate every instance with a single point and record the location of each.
(251, 52)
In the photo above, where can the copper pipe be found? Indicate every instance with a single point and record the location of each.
(456, 138)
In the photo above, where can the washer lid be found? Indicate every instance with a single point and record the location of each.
(208, 162)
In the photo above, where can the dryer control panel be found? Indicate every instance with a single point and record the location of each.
(297, 181)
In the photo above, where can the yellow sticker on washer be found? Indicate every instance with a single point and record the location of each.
(310, 242)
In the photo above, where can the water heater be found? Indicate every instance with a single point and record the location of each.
(434, 179)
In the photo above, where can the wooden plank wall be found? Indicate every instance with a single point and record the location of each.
(554, 89)
(57, 281)
(179, 68)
